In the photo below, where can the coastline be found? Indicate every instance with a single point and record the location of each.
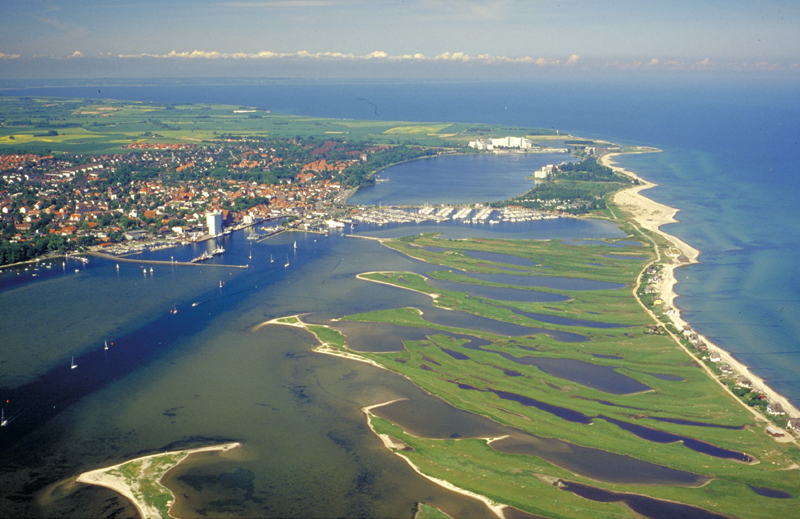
(496, 508)
(112, 477)
(650, 215)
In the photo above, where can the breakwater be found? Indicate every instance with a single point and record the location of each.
(161, 262)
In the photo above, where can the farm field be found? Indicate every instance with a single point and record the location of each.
(93, 126)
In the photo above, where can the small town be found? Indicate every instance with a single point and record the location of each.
(54, 204)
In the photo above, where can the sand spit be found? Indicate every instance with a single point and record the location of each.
(496, 508)
(323, 347)
(363, 278)
(147, 470)
(650, 215)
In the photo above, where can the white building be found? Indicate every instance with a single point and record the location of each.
(481, 144)
(214, 222)
(544, 172)
(503, 142)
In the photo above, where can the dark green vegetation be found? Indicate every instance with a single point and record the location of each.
(680, 389)
(574, 188)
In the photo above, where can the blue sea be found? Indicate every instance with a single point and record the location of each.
(729, 164)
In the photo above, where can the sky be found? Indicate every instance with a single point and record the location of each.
(479, 39)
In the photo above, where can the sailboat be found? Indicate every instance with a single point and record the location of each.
(106, 346)
(295, 244)
(251, 255)
(72, 364)
(174, 309)
(3, 421)
(270, 258)
(151, 270)
(287, 261)
(220, 283)
(117, 266)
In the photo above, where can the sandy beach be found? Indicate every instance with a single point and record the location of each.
(146, 468)
(650, 215)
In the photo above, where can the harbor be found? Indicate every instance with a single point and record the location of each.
(471, 214)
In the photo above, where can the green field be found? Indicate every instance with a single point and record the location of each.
(524, 481)
(98, 126)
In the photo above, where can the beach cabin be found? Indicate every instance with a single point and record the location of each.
(775, 409)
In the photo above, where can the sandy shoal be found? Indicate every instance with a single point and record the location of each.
(104, 478)
(650, 215)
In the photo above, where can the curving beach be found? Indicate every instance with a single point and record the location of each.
(650, 215)
(131, 478)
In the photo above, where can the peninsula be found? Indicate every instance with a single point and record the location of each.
(139, 479)
(742, 459)
(557, 348)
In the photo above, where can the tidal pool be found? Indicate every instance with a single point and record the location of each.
(436, 419)
(498, 293)
(556, 283)
(646, 506)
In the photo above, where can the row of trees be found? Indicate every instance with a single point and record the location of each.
(40, 246)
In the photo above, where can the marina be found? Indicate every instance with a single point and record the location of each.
(426, 213)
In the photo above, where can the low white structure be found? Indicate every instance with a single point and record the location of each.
(502, 142)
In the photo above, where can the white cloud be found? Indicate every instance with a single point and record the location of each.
(377, 55)
(456, 57)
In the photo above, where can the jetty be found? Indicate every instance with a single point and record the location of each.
(161, 262)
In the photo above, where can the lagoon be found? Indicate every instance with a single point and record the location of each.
(460, 179)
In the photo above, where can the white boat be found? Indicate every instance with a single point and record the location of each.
(287, 261)
(270, 258)
(251, 256)
(117, 266)
(106, 346)
(220, 283)
(3, 421)
(174, 309)
(194, 304)
(151, 270)
(295, 245)
(72, 364)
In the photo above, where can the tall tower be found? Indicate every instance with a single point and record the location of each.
(214, 219)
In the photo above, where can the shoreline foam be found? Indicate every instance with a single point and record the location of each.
(650, 215)
(104, 478)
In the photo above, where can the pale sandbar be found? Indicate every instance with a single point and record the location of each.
(131, 477)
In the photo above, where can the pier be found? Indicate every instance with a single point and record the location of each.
(159, 262)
